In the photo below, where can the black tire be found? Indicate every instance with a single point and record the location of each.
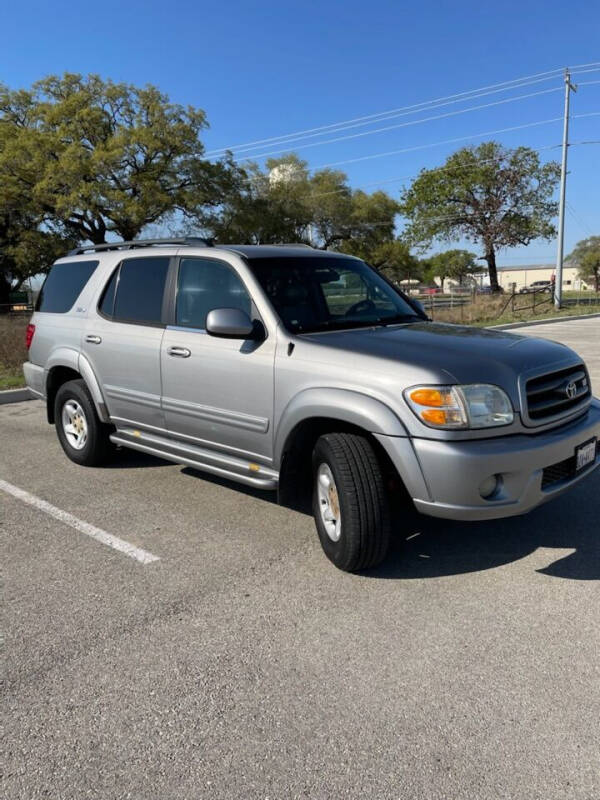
(97, 447)
(362, 498)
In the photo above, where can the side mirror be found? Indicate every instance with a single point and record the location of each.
(419, 305)
(229, 323)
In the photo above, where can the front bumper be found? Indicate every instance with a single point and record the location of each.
(451, 472)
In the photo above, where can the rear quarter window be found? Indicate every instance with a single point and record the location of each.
(64, 284)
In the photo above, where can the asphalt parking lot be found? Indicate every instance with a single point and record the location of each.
(241, 664)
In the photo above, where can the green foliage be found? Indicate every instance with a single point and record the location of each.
(28, 243)
(586, 257)
(96, 157)
(25, 249)
(285, 203)
(392, 258)
(490, 195)
(456, 264)
(265, 206)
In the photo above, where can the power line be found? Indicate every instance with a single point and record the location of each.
(584, 227)
(436, 144)
(452, 141)
(436, 169)
(382, 117)
(581, 66)
(585, 71)
(470, 94)
(405, 124)
(551, 73)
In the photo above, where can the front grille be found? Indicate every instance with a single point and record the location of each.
(563, 470)
(557, 394)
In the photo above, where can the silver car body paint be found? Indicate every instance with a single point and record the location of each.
(229, 406)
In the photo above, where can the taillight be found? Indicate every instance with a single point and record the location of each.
(29, 335)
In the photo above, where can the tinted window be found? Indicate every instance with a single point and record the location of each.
(107, 301)
(319, 293)
(63, 286)
(204, 284)
(140, 289)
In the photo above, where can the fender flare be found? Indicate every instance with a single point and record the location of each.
(344, 405)
(92, 383)
(73, 359)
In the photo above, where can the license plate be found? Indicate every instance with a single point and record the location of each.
(585, 454)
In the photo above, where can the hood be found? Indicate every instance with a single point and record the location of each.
(455, 353)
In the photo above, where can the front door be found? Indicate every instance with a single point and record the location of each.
(216, 392)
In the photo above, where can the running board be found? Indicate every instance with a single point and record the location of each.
(225, 466)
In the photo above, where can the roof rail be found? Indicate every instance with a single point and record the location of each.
(191, 241)
(290, 244)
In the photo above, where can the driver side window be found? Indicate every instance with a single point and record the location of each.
(204, 284)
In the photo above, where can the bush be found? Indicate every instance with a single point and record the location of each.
(12, 350)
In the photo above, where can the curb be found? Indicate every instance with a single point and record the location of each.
(14, 396)
(545, 321)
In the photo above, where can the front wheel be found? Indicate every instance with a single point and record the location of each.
(350, 502)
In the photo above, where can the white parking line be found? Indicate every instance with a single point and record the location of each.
(84, 527)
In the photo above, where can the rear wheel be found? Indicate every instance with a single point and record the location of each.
(350, 502)
(82, 436)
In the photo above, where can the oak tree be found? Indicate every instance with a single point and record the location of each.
(100, 158)
(491, 195)
(586, 257)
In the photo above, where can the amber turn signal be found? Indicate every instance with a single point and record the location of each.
(428, 397)
(436, 416)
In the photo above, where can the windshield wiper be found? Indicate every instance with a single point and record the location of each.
(398, 318)
(341, 324)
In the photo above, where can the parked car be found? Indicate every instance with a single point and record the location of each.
(488, 290)
(461, 291)
(430, 290)
(537, 286)
(303, 371)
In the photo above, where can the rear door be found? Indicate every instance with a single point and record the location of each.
(218, 392)
(123, 336)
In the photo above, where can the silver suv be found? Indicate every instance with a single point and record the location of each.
(303, 371)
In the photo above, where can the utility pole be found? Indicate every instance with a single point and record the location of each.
(563, 186)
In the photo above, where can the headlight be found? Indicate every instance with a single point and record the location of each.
(476, 405)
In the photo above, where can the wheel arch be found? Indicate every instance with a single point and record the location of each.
(65, 365)
(345, 407)
(312, 414)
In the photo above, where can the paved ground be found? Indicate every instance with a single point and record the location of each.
(243, 665)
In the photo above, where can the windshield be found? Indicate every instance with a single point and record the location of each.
(320, 294)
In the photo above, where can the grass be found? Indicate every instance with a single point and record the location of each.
(485, 311)
(12, 350)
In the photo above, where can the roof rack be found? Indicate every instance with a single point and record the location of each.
(290, 244)
(191, 241)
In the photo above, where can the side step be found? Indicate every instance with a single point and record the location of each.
(226, 466)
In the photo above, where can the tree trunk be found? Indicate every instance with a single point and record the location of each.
(4, 295)
(490, 257)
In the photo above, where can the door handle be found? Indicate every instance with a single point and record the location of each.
(93, 339)
(179, 352)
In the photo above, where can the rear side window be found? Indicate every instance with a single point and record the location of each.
(107, 301)
(63, 286)
(138, 290)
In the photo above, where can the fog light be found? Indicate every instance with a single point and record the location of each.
(489, 486)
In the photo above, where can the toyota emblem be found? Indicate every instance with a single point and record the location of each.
(571, 389)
